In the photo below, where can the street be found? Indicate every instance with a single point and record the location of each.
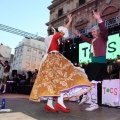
(24, 109)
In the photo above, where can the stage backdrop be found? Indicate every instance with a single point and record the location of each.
(113, 48)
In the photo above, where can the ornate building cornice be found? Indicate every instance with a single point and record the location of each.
(110, 11)
(72, 11)
(55, 3)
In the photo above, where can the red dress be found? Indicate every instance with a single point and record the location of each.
(54, 44)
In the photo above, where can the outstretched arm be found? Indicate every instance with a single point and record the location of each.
(69, 22)
(82, 36)
(64, 30)
(2, 63)
(103, 29)
(97, 16)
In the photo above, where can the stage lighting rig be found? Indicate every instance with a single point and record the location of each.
(73, 45)
(70, 46)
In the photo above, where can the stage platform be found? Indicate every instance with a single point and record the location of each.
(24, 109)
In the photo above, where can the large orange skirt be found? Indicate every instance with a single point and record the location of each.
(57, 74)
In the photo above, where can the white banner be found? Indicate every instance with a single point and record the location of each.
(111, 92)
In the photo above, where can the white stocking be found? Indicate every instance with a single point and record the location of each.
(50, 102)
(4, 88)
(61, 101)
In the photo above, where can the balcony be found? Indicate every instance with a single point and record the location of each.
(109, 23)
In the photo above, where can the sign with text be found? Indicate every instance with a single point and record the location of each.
(111, 92)
(113, 49)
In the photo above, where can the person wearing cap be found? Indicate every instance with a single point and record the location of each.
(57, 76)
(6, 66)
(97, 68)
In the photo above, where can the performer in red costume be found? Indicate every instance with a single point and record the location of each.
(57, 76)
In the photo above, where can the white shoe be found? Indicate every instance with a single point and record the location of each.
(92, 107)
(84, 99)
(3, 92)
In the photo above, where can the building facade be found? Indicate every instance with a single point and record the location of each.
(81, 11)
(28, 55)
(83, 20)
(5, 51)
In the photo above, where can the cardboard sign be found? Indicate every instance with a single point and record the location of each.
(111, 92)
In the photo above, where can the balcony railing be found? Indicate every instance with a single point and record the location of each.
(112, 22)
(109, 23)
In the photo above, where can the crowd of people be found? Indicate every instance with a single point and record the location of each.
(10, 84)
(113, 68)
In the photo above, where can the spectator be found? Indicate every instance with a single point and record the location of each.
(30, 76)
(22, 78)
(6, 66)
(15, 83)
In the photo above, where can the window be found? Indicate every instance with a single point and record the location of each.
(28, 57)
(20, 57)
(29, 49)
(14, 58)
(43, 52)
(60, 12)
(13, 66)
(20, 64)
(35, 51)
(22, 49)
(33, 58)
(17, 58)
(33, 44)
(27, 65)
(15, 51)
(38, 46)
(16, 65)
(19, 50)
(81, 2)
(40, 52)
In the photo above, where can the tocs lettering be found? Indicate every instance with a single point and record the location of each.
(85, 51)
(112, 49)
(110, 90)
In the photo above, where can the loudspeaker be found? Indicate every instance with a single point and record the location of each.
(14, 72)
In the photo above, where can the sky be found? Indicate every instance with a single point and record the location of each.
(26, 15)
